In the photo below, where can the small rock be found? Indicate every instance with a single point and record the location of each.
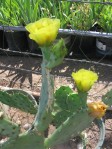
(1, 115)
(27, 126)
(18, 122)
(3, 140)
(71, 86)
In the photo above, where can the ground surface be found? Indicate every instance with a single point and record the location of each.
(25, 72)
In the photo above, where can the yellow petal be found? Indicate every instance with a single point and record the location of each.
(44, 31)
(84, 79)
(86, 85)
(97, 109)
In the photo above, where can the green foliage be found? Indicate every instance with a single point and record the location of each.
(10, 13)
(22, 12)
(18, 100)
(29, 10)
(96, 10)
(81, 16)
(75, 15)
(103, 15)
(57, 9)
(105, 18)
(19, 12)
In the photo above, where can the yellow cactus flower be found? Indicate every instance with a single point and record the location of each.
(84, 79)
(43, 31)
(97, 109)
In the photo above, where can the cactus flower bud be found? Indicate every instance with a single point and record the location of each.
(44, 31)
(97, 109)
(84, 79)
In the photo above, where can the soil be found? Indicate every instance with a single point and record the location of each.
(25, 72)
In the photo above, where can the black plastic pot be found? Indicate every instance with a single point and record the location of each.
(104, 47)
(33, 46)
(83, 46)
(16, 40)
(3, 42)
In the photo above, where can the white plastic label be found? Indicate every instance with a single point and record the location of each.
(100, 45)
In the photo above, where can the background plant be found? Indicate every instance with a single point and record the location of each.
(96, 9)
(22, 12)
(10, 13)
(29, 10)
(19, 12)
(82, 17)
(105, 19)
(57, 9)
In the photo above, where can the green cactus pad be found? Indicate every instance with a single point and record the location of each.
(61, 96)
(29, 140)
(18, 99)
(72, 127)
(107, 98)
(55, 55)
(66, 103)
(8, 129)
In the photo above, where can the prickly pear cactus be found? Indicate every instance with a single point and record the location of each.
(107, 98)
(68, 110)
(52, 56)
(66, 103)
(72, 127)
(18, 99)
(29, 140)
(8, 129)
(66, 99)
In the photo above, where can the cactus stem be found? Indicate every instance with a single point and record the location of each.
(43, 117)
(83, 98)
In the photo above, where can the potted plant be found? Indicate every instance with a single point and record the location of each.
(104, 45)
(16, 39)
(65, 108)
(82, 19)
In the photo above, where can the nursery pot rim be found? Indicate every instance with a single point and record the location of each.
(101, 126)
